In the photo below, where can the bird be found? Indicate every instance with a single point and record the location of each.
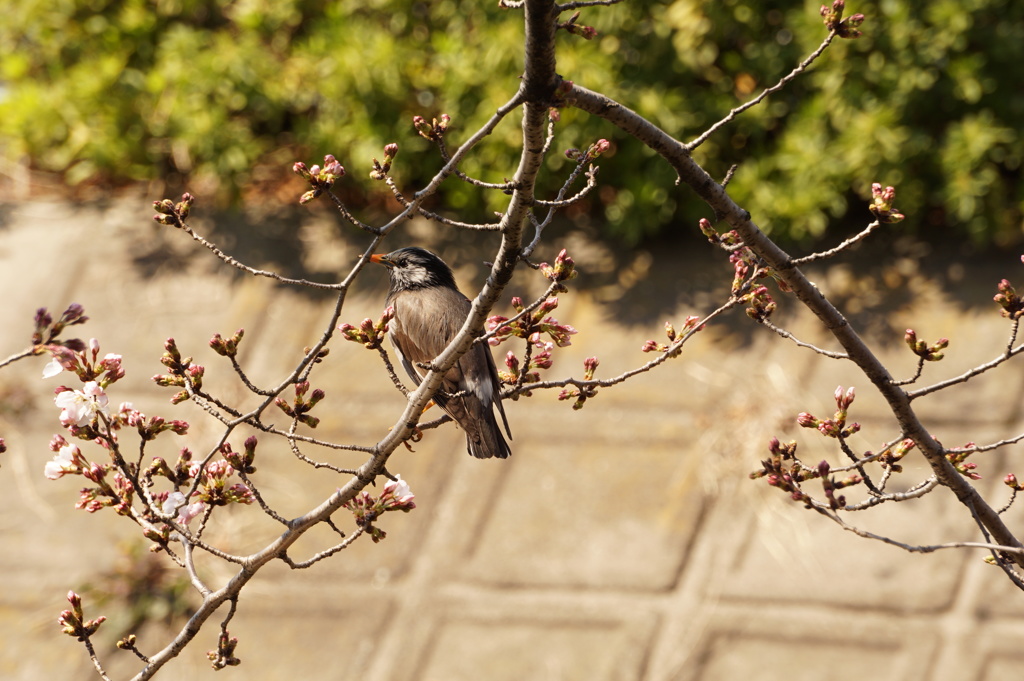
(429, 310)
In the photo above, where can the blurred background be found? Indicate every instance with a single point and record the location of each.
(222, 96)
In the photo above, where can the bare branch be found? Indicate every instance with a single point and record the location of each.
(327, 553)
(252, 270)
(786, 334)
(27, 352)
(840, 248)
(767, 91)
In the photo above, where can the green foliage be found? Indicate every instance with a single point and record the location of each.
(224, 92)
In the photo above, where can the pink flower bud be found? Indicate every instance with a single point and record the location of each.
(512, 362)
(806, 420)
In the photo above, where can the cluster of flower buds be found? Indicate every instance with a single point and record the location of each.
(370, 333)
(835, 426)
(741, 261)
(891, 456)
(85, 412)
(214, 489)
(564, 269)
(47, 330)
(242, 461)
(833, 18)
(149, 428)
(762, 305)
(830, 485)
(582, 393)
(300, 407)
(179, 475)
(320, 179)
(182, 372)
(381, 170)
(433, 131)
(782, 470)
(73, 622)
(214, 484)
(396, 496)
(587, 32)
(594, 151)
(1011, 481)
(127, 643)
(117, 493)
(227, 347)
(85, 363)
(961, 464)
(929, 353)
(517, 374)
(689, 325)
(1013, 306)
(531, 326)
(170, 213)
(224, 655)
(881, 204)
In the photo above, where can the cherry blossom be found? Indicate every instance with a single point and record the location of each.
(63, 463)
(80, 407)
(186, 512)
(53, 368)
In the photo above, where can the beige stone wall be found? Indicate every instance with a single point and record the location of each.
(621, 542)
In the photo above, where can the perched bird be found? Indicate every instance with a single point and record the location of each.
(429, 311)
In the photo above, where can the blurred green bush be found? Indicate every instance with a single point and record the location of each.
(225, 94)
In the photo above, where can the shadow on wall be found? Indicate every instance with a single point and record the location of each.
(677, 275)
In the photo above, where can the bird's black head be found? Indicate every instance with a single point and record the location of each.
(413, 268)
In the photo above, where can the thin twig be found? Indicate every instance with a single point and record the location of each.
(259, 498)
(437, 217)
(660, 359)
(315, 464)
(840, 248)
(1013, 498)
(27, 352)
(989, 447)
(967, 375)
(345, 213)
(915, 492)
(917, 374)
(859, 466)
(252, 270)
(95, 660)
(584, 3)
(327, 553)
(313, 441)
(190, 566)
(756, 100)
(559, 198)
(815, 348)
(245, 379)
(925, 548)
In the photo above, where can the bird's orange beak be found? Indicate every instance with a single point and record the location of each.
(379, 258)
